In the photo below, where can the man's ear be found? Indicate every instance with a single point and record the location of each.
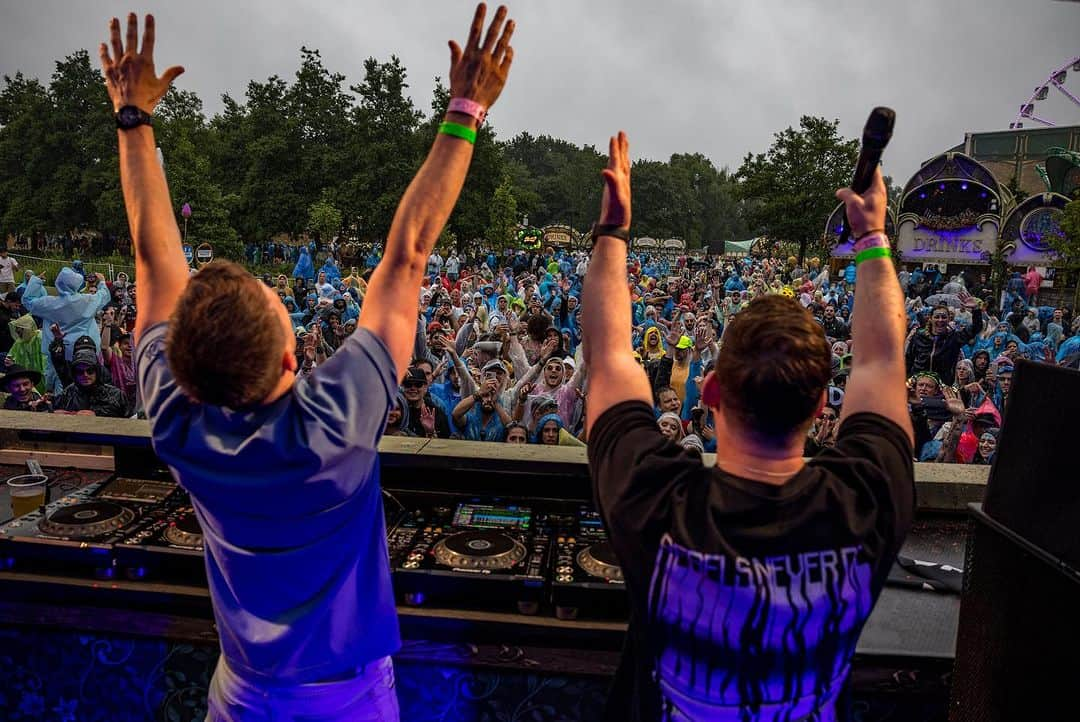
(288, 362)
(710, 390)
(821, 402)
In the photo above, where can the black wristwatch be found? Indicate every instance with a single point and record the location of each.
(131, 116)
(610, 229)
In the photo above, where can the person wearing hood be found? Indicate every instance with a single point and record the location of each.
(333, 273)
(397, 419)
(304, 268)
(550, 431)
(74, 313)
(984, 454)
(122, 290)
(119, 357)
(26, 350)
(89, 392)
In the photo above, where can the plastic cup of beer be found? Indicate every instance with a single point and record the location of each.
(27, 492)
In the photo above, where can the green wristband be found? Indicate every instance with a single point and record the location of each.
(458, 131)
(867, 253)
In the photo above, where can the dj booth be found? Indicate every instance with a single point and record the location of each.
(510, 603)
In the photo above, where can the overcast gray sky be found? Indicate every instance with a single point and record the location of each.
(712, 76)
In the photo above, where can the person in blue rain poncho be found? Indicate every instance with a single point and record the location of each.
(333, 273)
(72, 311)
(304, 268)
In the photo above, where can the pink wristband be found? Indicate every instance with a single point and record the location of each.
(871, 240)
(468, 107)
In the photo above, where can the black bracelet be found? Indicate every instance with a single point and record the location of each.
(610, 229)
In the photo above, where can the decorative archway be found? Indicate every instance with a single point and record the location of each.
(950, 212)
(1025, 232)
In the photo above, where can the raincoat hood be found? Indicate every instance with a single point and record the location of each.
(542, 422)
(23, 329)
(69, 281)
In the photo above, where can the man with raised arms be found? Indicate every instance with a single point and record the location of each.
(283, 472)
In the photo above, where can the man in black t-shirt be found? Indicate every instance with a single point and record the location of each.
(749, 582)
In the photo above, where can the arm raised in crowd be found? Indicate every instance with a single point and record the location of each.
(879, 324)
(615, 376)
(478, 74)
(159, 259)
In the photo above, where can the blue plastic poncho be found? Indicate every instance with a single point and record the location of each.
(333, 273)
(72, 311)
(304, 268)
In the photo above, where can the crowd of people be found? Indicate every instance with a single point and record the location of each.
(497, 355)
(267, 401)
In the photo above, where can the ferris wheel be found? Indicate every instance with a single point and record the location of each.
(1041, 95)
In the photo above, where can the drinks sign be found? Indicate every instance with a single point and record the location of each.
(973, 244)
(204, 253)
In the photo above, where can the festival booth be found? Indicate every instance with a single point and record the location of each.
(842, 253)
(530, 238)
(561, 236)
(1025, 236)
(673, 246)
(950, 215)
(738, 249)
(645, 245)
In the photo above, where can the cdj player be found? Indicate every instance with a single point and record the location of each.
(586, 579)
(120, 527)
(489, 554)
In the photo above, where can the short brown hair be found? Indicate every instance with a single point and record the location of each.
(773, 366)
(224, 346)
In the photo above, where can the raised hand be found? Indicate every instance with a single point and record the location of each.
(427, 418)
(479, 71)
(615, 204)
(129, 72)
(867, 211)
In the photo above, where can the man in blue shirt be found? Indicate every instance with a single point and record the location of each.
(283, 472)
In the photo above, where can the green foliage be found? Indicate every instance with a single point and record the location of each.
(324, 219)
(317, 152)
(502, 227)
(1067, 246)
(792, 184)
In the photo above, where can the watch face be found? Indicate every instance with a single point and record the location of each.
(129, 116)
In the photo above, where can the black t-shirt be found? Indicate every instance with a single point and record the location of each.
(746, 598)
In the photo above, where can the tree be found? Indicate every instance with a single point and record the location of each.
(1067, 245)
(793, 183)
(324, 219)
(502, 227)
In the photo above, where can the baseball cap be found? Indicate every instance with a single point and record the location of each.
(493, 365)
(414, 376)
(684, 342)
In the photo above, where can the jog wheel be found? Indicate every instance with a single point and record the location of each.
(599, 560)
(86, 521)
(184, 531)
(479, 550)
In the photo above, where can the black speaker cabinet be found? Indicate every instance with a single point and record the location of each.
(1019, 635)
(1034, 483)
